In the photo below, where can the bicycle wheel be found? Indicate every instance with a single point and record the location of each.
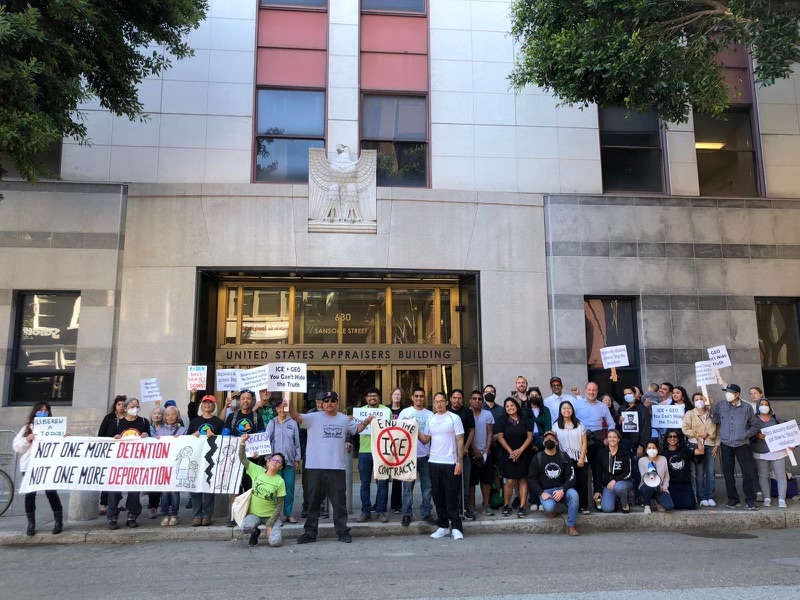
(6, 492)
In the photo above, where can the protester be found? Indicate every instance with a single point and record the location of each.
(572, 442)
(539, 415)
(520, 393)
(207, 424)
(654, 463)
(596, 418)
(634, 423)
(552, 478)
(131, 426)
(396, 405)
(365, 465)
(468, 424)
(615, 475)
(284, 437)
(680, 457)
(515, 435)
(699, 429)
(495, 451)
(418, 411)
(766, 460)
(154, 498)
(268, 405)
(553, 401)
(231, 405)
(170, 501)
(609, 401)
(445, 434)
(756, 393)
(108, 428)
(267, 497)
(22, 445)
(481, 468)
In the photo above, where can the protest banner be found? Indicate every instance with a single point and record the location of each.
(782, 437)
(630, 421)
(287, 377)
(227, 380)
(258, 444)
(150, 391)
(361, 414)
(668, 416)
(48, 427)
(719, 357)
(704, 374)
(394, 449)
(169, 464)
(613, 357)
(196, 377)
(253, 379)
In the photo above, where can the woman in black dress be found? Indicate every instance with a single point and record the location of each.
(515, 436)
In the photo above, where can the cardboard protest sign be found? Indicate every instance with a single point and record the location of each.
(361, 414)
(196, 377)
(48, 427)
(719, 357)
(394, 449)
(287, 377)
(669, 416)
(630, 421)
(782, 437)
(253, 379)
(258, 444)
(170, 464)
(227, 380)
(704, 373)
(150, 391)
(614, 356)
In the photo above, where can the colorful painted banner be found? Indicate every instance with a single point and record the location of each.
(196, 377)
(169, 464)
(394, 449)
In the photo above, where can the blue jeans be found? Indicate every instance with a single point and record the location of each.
(170, 503)
(365, 474)
(609, 500)
(704, 476)
(570, 499)
(636, 477)
(288, 475)
(663, 498)
(425, 483)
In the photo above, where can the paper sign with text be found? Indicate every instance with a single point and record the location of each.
(196, 377)
(48, 427)
(253, 379)
(614, 356)
(394, 449)
(630, 421)
(669, 416)
(287, 377)
(704, 373)
(719, 357)
(258, 443)
(150, 390)
(782, 436)
(227, 380)
(360, 414)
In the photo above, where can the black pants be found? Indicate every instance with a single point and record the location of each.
(133, 503)
(594, 455)
(52, 497)
(153, 499)
(747, 464)
(582, 482)
(446, 492)
(306, 491)
(396, 499)
(330, 483)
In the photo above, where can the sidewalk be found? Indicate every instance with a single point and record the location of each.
(718, 519)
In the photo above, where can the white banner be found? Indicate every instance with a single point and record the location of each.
(669, 416)
(170, 464)
(253, 379)
(49, 427)
(704, 373)
(394, 449)
(782, 436)
(227, 381)
(630, 421)
(150, 390)
(287, 377)
(196, 377)
(258, 444)
(614, 356)
(719, 357)
(364, 412)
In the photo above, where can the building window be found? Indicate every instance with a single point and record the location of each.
(779, 343)
(289, 123)
(295, 3)
(630, 151)
(50, 160)
(45, 347)
(405, 6)
(397, 127)
(611, 322)
(726, 156)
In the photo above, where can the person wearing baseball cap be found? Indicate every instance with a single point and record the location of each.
(554, 400)
(552, 478)
(207, 424)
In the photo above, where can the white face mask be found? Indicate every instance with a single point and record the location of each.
(763, 409)
(729, 396)
(700, 405)
(652, 452)
(133, 411)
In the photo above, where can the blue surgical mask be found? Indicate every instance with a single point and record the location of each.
(41, 413)
(629, 398)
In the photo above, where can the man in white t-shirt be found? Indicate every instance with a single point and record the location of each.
(481, 471)
(445, 433)
(554, 400)
(418, 411)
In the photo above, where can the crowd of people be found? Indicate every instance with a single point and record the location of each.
(527, 453)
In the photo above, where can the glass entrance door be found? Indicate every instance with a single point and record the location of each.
(357, 380)
(320, 380)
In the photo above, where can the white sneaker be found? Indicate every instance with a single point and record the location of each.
(767, 501)
(440, 533)
(781, 503)
(703, 502)
(647, 510)
(457, 535)
(712, 503)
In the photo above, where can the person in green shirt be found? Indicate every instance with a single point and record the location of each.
(373, 397)
(266, 501)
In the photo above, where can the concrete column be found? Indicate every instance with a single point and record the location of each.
(342, 93)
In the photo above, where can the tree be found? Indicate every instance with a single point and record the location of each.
(56, 54)
(649, 53)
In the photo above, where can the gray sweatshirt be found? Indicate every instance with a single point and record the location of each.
(285, 438)
(736, 424)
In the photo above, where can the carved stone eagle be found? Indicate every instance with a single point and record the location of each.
(341, 190)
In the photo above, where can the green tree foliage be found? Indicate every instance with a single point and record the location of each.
(646, 53)
(56, 54)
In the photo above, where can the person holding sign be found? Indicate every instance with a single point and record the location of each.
(418, 411)
(207, 424)
(365, 463)
(22, 445)
(267, 497)
(170, 501)
(132, 426)
(766, 460)
(634, 422)
(700, 429)
(108, 428)
(284, 437)
(736, 423)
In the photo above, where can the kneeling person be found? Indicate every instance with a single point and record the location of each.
(266, 501)
(552, 478)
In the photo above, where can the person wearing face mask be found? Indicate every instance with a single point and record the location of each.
(496, 451)
(170, 501)
(766, 460)
(132, 426)
(699, 429)
(736, 423)
(552, 478)
(108, 428)
(650, 463)
(22, 445)
(232, 404)
(634, 425)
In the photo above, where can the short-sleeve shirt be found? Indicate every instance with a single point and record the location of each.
(202, 425)
(482, 419)
(422, 417)
(514, 433)
(133, 428)
(326, 439)
(443, 430)
(239, 423)
(267, 489)
(365, 438)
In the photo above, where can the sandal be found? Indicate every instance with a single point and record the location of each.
(291, 520)
(626, 509)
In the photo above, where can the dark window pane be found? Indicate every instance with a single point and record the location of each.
(734, 132)
(616, 119)
(417, 6)
(48, 337)
(723, 173)
(781, 383)
(280, 159)
(395, 118)
(306, 3)
(291, 112)
(50, 160)
(631, 170)
(29, 389)
(627, 377)
(400, 163)
(413, 317)
(778, 334)
(609, 322)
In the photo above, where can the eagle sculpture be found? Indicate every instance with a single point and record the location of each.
(339, 190)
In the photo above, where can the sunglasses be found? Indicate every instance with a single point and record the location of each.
(672, 437)
(329, 400)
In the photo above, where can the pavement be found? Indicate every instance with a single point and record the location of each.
(718, 519)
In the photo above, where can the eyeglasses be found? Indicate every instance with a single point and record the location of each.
(275, 459)
(476, 398)
(329, 400)
(419, 395)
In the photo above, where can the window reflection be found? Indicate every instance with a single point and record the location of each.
(413, 317)
(265, 315)
(326, 316)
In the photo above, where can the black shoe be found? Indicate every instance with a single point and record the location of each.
(58, 524)
(31, 530)
(231, 523)
(253, 541)
(406, 521)
(189, 504)
(304, 513)
(131, 523)
(112, 524)
(306, 539)
(506, 510)
(345, 538)
(429, 520)
(324, 515)
(470, 515)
